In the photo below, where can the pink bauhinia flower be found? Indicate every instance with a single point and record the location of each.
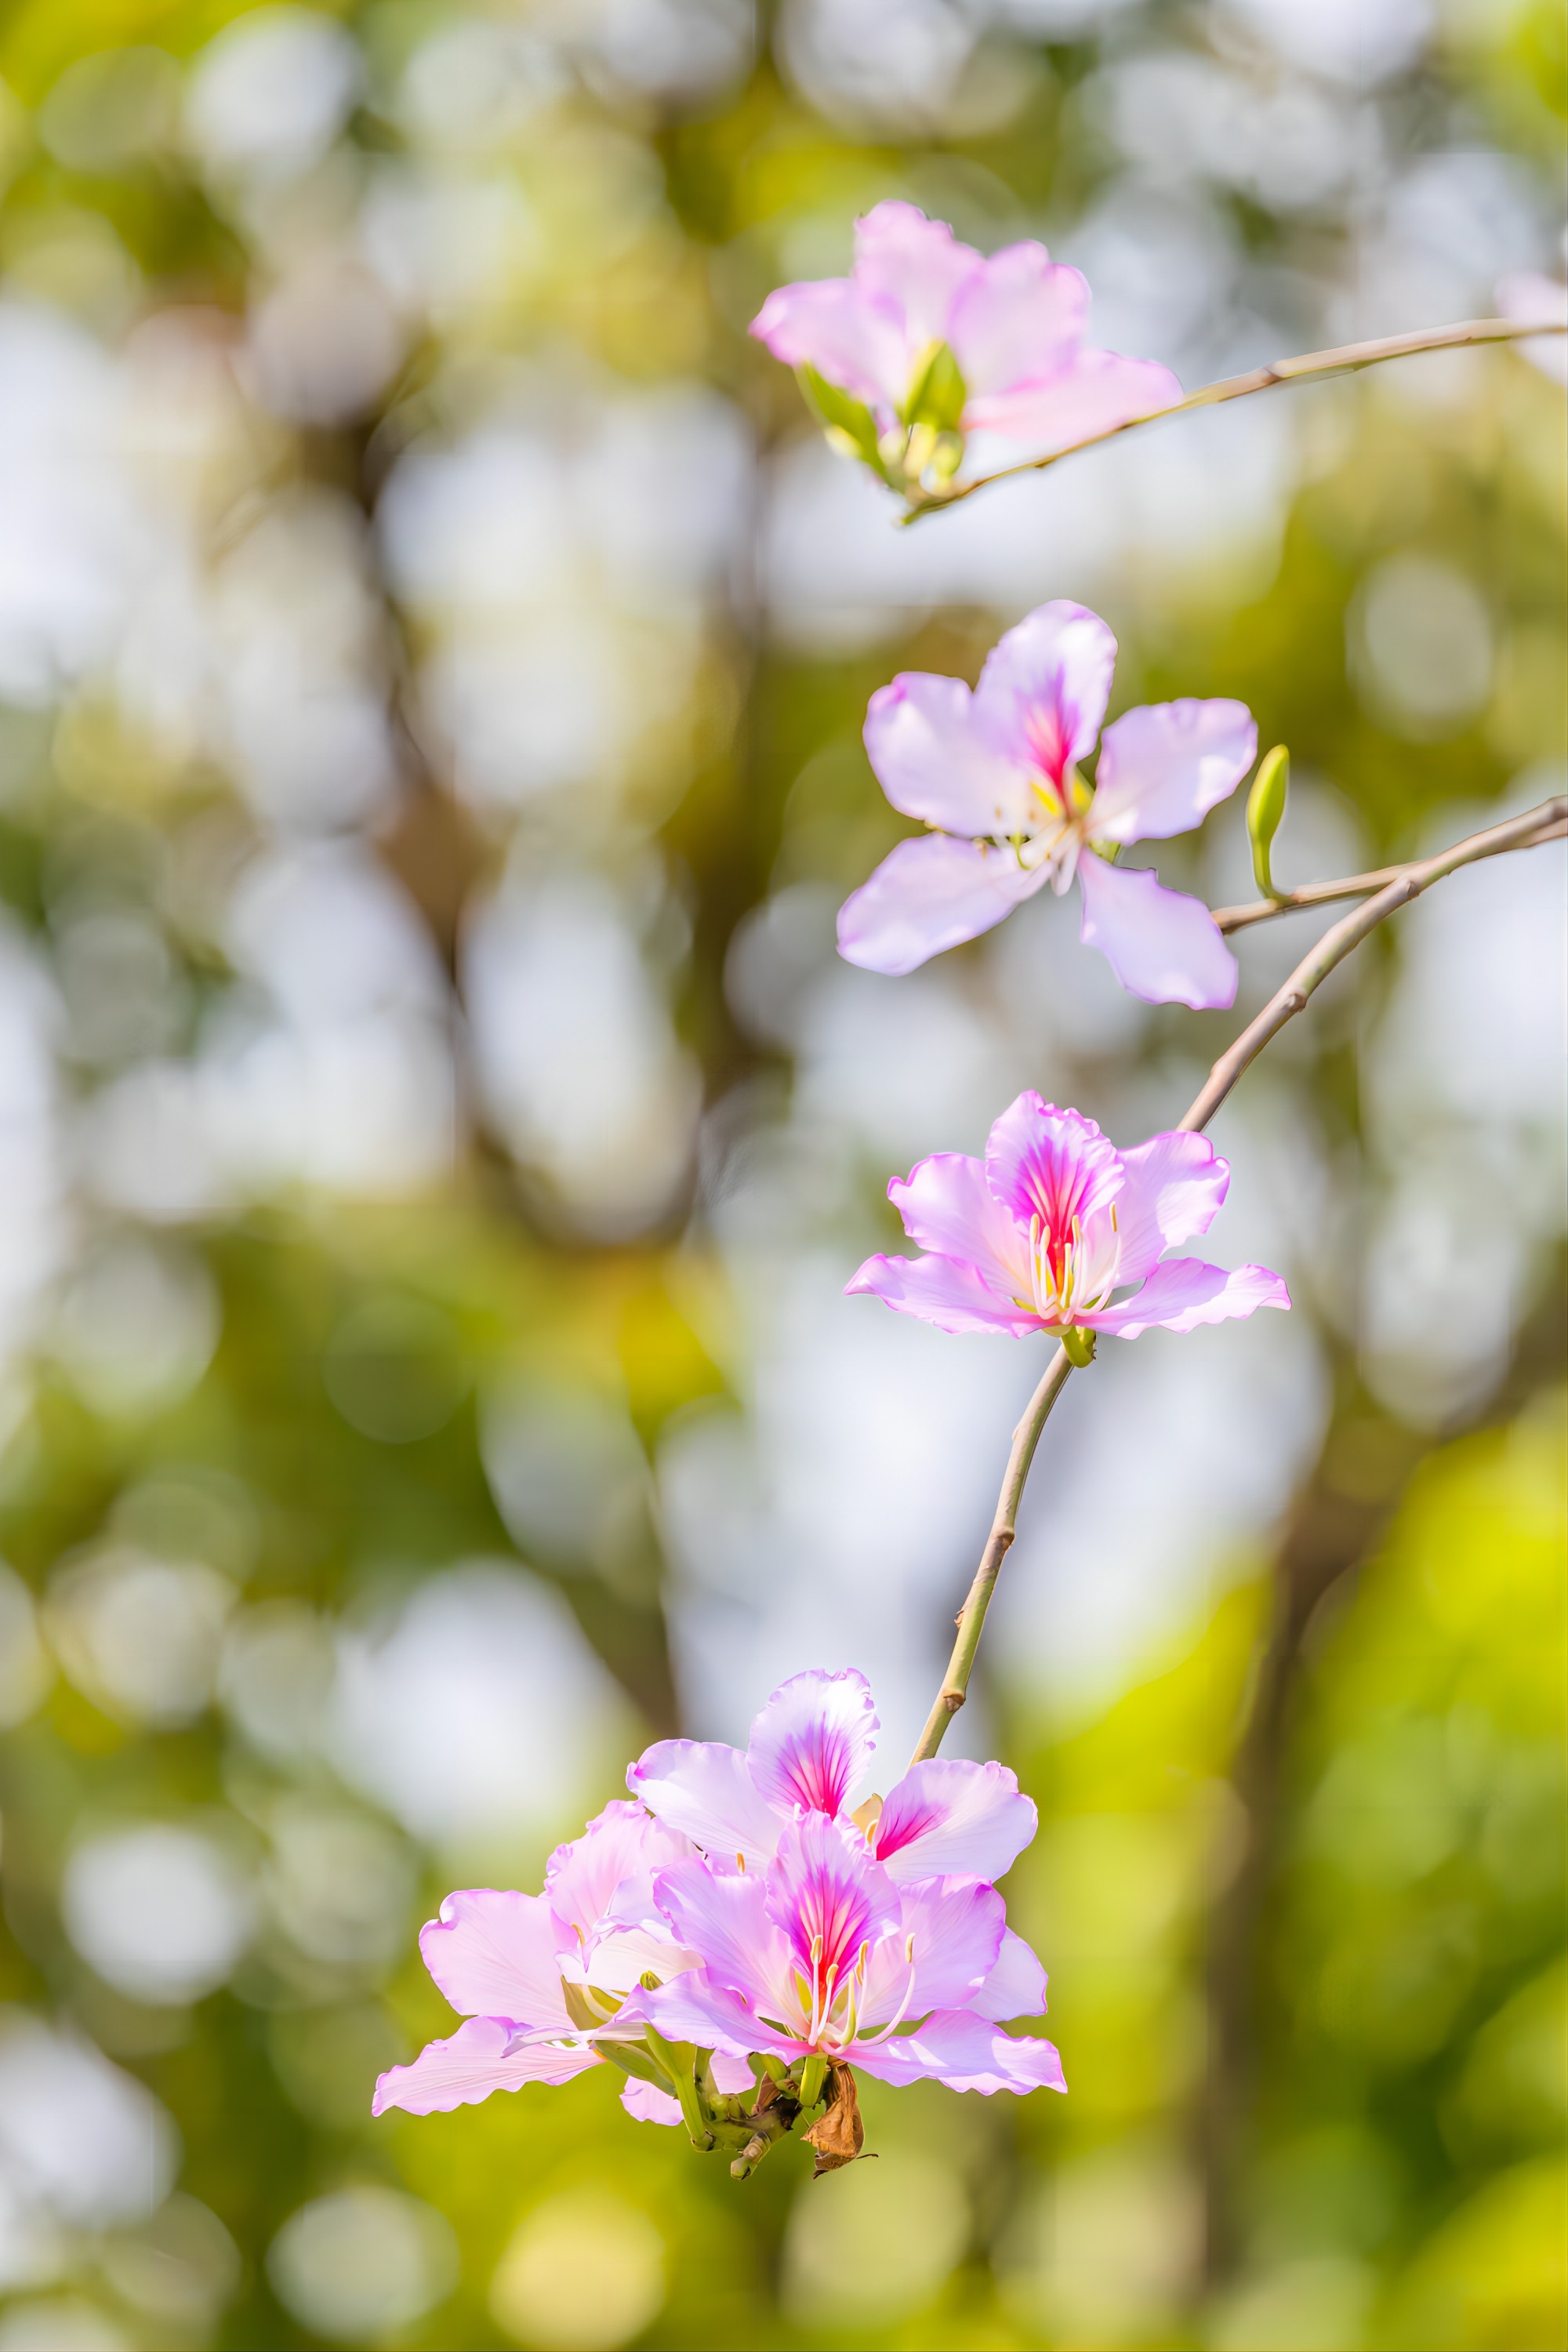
(927, 340)
(1057, 1231)
(823, 1954)
(810, 1748)
(996, 774)
(541, 1978)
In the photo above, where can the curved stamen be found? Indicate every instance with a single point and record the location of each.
(898, 2015)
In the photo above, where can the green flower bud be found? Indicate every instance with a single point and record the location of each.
(1265, 807)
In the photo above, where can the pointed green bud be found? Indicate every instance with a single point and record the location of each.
(938, 394)
(1079, 1348)
(1265, 807)
(848, 422)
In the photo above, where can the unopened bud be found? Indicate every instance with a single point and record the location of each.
(1265, 807)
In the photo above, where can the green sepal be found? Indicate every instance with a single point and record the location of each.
(1265, 808)
(634, 2058)
(1077, 1347)
(813, 2074)
(938, 394)
(846, 420)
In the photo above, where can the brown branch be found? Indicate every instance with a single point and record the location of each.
(1361, 885)
(1344, 360)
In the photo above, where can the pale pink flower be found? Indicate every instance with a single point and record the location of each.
(994, 773)
(810, 1748)
(1014, 326)
(1057, 1231)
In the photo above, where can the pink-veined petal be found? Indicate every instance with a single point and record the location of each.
(926, 896)
(1173, 1189)
(1162, 945)
(696, 2008)
(1184, 1292)
(647, 2104)
(946, 1816)
(1051, 1164)
(1044, 686)
(814, 1739)
(727, 1920)
(482, 2056)
(493, 1954)
(1163, 766)
(936, 757)
(833, 326)
(946, 1291)
(1099, 391)
(703, 1790)
(914, 264)
(826, 1895)
(1016, 1986)
(957, 1925)
(1020, 317)
(965, 2052)
(606, 1874)
(948, 1207)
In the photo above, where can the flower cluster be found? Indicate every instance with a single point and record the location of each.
(735, 1941)
(927, 341)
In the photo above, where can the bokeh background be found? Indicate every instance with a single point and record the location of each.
(435, 1131)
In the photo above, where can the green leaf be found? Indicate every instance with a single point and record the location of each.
(939, 392)
(846, 420)
(1265, 807)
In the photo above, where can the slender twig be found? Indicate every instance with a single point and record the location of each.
(1519, 833)
(1344, 360)
(1003, 1527)
(1554, 827)
(1537, 825)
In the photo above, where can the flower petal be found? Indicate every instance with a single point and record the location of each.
(915, 264)
(703, 1790)
(957, 1925)
(834, 326)
(929, 894)
(1016, 1986)
(732, 2076)
(727, 1920)
(1099, 391)
(947, 1816)
(492, 1953)
(965, 2052)
(938, 757)
(826, 1896)
(1044, 686)
(647, 2104)
(1182, 1292)
(1163, 766)
(1019, 319)
(1173, 1189)
(1162, 945)
(477, 2059)
(696, 2008)
(1051, 1164)
(946, 1291)
(813, 1741)
(607, 1872)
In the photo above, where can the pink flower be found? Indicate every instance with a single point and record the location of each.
(823, 1953)
(809, 1747)
(927, 340)
(1042, 1232)
(996, 774)
(541, 1978)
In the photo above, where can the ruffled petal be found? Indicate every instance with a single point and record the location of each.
(727, 1920)
(730, 2076)
(1099, 391)
(957, 1925)
(606, 1874)
(946, 1291)
(929, 894)
(1163, 766)
(1019, 319)
(482, 2056)
(1051, 1164)
(938, 757)
(914, 265)
(826, 1896)
(647, 2104)
(696, 2008)
(946, 1816)
(948, 1207)
(1162, 945)
(813, 1742)
(703, 1790)
(1016, 1986)
(1174, 1186)
(834, 326)
(965, 2052)
(1044, 686)
(493, 1954)
(1182, 1292)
